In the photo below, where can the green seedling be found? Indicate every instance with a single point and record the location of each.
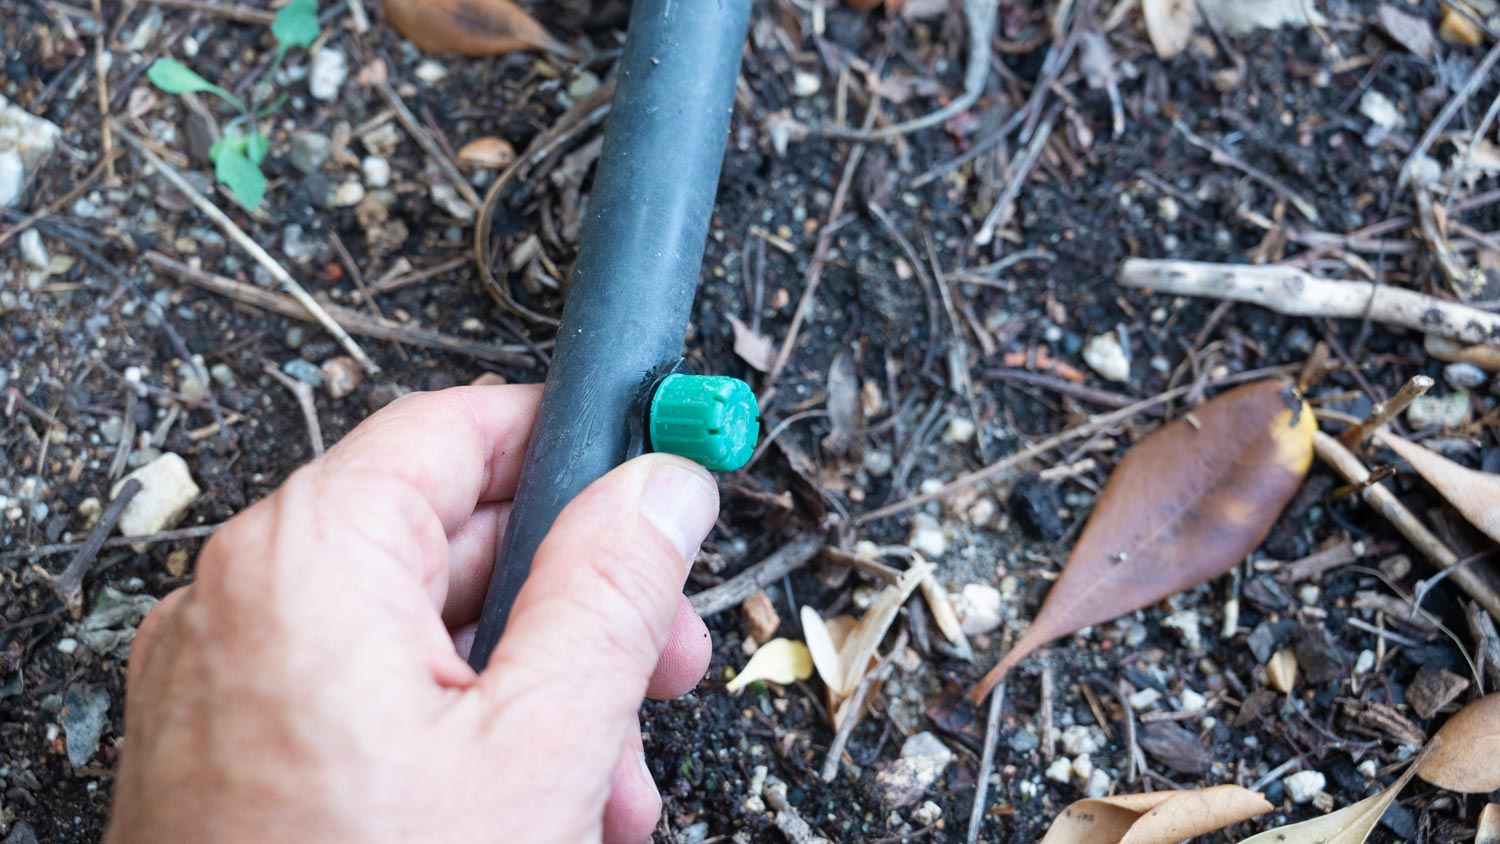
(242, 146)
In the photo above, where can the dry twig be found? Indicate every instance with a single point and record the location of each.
(117, 542)
(733, 592)
(856, 706)
(304, 395)
(986, 762)
(1296, 293)
(69, 584)
(1385, 411)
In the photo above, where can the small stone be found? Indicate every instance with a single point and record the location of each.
(1083, 768)
(983, 512)
(1365, 662)
(1281, 671)
(67, 645)
(303, 370)
(1099, 784)
(698, 832)
(1369, 769)
(927, 537)
(805, 84)
(1022, 741)
(1431, 411)
(222, 373)
(376, 170)
(12, 178)
(348, 194)
(1079, 740)
(167, 491)
(1381, 111)
(925, 744)
(177, 562)
(1456, 28)
(342, 375)
(1191, 701)
(1104, 354)
(1308, 594)
(1168, 209)
(309, 151)
(295, 337)
(1060, 771)
(926, 814)
(326, 73)
(761, 619)
(33, 250)
(1303, 786)
(1463, 376)
(1425, 170)
(906, 780)
(190, 383)
(1188, 626)
(960, 430)
(583, 85)
(89, 509)
(430, 72)
(85, 707)
(1144, 699)
(978, 608)
(878, 463)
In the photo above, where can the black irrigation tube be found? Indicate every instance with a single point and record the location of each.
(637, 270)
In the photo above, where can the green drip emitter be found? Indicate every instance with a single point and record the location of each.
(712, 420)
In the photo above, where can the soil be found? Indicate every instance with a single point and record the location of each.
(101, 346)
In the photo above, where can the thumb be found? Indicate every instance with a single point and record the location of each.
(597, 608)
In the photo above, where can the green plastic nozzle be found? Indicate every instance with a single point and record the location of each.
(709, 419)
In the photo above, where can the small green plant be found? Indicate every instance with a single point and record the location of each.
(242, 146)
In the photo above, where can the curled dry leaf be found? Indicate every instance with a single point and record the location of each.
(1466, 748)
(752, 348)
(843, 650)
(470, 27)
(1169, 24)
(1185, 505)
(1474, 494)
(1349, 825)
(779, 661)
(1156, 817)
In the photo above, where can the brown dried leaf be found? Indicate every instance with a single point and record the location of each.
(1156, 817)
(1488, 829)
(470, 27)
(487, 153)
(1466, 749)
(1184, 506)
(1169, 24)
(1474, 494)
(1349, 825)
(752, 348)
(1410, 31)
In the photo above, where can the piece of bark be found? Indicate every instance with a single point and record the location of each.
(1432, 689)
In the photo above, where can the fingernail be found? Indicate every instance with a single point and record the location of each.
(645, 770)
(682, 503)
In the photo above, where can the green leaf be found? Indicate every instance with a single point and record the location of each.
(296, 25)
(241, 175)
(256, 147)
(174, 77)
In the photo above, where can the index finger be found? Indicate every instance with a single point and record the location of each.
(456, 447)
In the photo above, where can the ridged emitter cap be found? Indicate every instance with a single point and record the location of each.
(709, 419)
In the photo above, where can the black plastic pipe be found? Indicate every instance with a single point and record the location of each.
(637, 269)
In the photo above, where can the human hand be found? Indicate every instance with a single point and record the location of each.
(307, 687)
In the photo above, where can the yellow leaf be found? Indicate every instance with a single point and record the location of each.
(1157, 817)
(778, 661)
(470, 27)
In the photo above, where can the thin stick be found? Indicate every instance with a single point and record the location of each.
(15, 396)
(1296, 293)
(999, 215)
(733, 592)
(230, 11)
(261, 256)
(386, 285)
(980, 17)
(101, 86)
(359, 17)
(1385, 411)
(1384, 502)
(1219, 155)
(424, 139)
(1049, 743)
(69, 584)
(354, 321)
(117, 542)
(986, 762)
(304, 395)
(855, 707)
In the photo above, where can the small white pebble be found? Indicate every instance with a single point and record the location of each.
(1369, 768)
(929, 486)
(1303, 786)
(376, 170)
(1144, 699)
(1188, 626)
(1365, 662)
(1079, 740)
(1308, 594)
(1083, 768)
(1099, 784)
(1192, 701)
(1104, 354)
(927, 537)
(960, 430)
(430, 72)
(67, 646)
(805, 84)
(1061, 770)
